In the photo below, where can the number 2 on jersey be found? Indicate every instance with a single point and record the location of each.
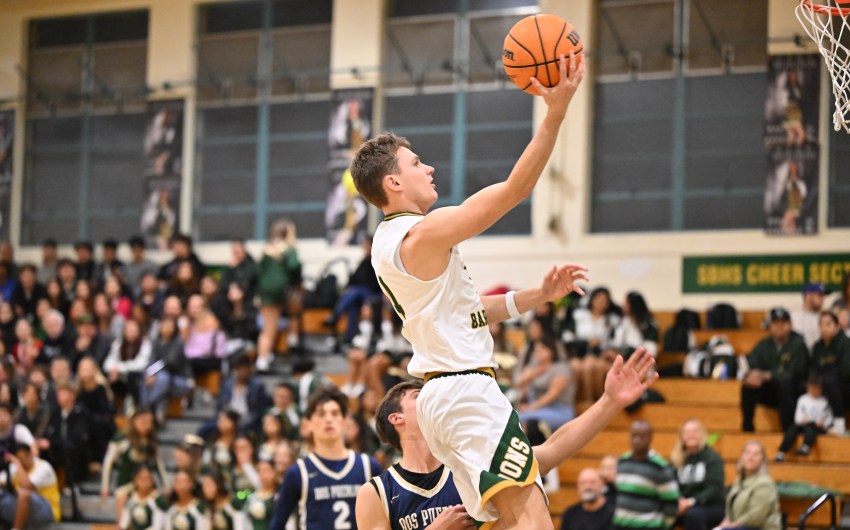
(341, 522)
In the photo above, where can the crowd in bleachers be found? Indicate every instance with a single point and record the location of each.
(97, 352)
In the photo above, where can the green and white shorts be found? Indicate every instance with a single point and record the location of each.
(472, 428)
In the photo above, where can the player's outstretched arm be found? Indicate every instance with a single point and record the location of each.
(557, 283)
(368, 510)
(446, 227)
(626, 381)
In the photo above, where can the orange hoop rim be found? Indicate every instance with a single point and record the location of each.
(828, 10)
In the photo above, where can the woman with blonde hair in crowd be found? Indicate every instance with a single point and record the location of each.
(699, 470)
(753, 501)
(278, 276)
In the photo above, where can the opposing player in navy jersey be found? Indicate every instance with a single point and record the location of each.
(419, 492)
(322, 487)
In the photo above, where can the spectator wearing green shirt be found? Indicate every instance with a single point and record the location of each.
(778, 366)
(700, 472)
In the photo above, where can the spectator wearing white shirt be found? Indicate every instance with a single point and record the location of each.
(806, 319)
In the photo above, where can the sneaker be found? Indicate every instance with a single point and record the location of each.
(804, 450)
(780, 456)
(263, 364)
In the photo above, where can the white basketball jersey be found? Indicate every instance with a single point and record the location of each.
(443, 318)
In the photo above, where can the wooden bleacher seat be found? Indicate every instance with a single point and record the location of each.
(669, 417)
(752, 320)
(827, 450)
(516, 338)
(337, 379)
(709, 392)
(664, 320)
(175, 408)
(210, 381)
(313, 321)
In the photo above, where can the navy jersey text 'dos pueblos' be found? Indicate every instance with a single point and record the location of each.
(412, 500)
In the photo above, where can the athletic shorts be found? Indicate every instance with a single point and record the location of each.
(471, 427)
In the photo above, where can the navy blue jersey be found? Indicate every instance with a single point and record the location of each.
(322, 492)
(406, 501)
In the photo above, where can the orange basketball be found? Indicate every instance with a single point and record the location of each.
(532, 49)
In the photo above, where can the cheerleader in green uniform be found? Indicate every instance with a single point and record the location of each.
(221, 506)
(186, 511)
(243, 477)
(273, 436)
(259, 507)
(218, 455)
(141, 511)
(127, 452)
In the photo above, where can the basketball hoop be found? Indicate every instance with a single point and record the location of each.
(826, 22)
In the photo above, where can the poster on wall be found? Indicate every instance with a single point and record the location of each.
(7, 149)
(350, 126)
(792, 108)
(163, 172)
(791, 137)
(791, 193)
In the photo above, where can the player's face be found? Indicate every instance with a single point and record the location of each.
(408, 408)
(327, 422)
(417, 179)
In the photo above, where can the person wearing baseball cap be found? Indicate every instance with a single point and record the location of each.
(805, 320)
(778, 366)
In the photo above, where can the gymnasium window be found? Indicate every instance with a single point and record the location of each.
(263, 111)
(679, 115)
(445, 91)
(86, 101)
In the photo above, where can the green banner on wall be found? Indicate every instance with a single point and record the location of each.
(762, 274)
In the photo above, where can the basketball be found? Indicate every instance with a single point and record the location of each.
(532, 49)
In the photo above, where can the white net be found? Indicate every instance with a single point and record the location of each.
(826, 22)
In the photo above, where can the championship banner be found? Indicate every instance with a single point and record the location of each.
(7, 149)
(762, 274)
(791, 137)
(350, 126)
(163, 172)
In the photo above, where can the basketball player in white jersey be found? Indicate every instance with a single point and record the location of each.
(468, 423)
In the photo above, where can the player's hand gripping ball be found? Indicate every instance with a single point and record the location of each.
(533, 48)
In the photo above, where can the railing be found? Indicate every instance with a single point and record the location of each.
(817, 504)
